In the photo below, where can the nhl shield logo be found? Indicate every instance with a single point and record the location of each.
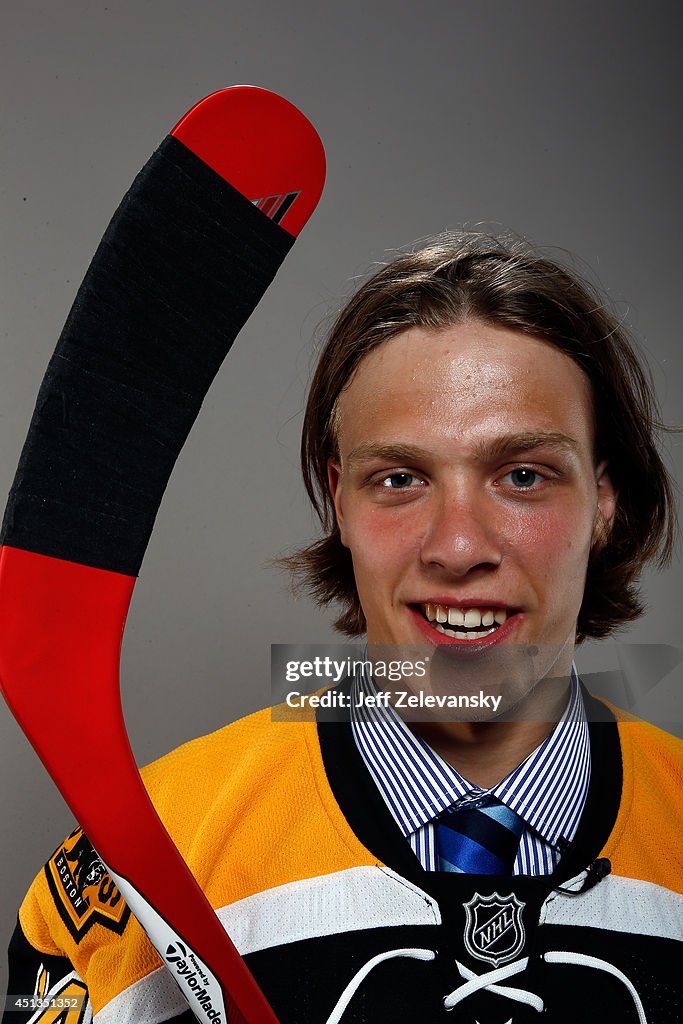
(494, 930)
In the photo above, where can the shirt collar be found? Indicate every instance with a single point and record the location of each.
(548, 789)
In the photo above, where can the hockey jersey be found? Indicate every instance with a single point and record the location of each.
(339, 923)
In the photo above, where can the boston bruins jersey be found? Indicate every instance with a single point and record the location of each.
(289, 838)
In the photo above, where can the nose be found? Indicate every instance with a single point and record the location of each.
(461, 536)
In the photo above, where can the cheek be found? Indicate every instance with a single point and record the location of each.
(381, 544)
(554, 545)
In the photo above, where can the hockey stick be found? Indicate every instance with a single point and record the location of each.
(186, 258)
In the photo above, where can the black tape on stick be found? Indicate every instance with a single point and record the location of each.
(182, 265)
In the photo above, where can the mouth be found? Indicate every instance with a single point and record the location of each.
(454, 624)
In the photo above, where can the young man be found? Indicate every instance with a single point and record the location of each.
(478, 442)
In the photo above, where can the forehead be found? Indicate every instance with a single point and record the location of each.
(467, 382)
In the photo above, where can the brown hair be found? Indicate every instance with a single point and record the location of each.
(502, 282)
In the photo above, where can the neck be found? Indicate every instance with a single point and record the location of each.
(485, 752)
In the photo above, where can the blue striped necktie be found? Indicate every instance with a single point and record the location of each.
(481, 838)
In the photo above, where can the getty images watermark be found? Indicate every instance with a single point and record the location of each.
(377, 671)
(511, 682)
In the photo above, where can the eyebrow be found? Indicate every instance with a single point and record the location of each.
(497, 447)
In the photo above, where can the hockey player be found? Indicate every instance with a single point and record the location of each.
(479, 444)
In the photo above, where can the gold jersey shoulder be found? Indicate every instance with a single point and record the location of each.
(82, 889)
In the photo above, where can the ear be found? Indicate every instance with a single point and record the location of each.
(606, 508)
(334, 480)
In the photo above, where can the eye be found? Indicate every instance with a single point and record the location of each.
(523, 478)
(400, 481)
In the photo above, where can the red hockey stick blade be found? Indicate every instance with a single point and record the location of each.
(188, 254)
(281, 171)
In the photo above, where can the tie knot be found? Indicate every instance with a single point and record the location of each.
(481, 837)
(471, 803)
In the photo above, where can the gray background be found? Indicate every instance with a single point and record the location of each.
(560, 120)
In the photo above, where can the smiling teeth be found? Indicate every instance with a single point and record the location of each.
(459, 635)
(470, 623)
(472, 619)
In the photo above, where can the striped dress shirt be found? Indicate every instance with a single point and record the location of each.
(548, 789)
